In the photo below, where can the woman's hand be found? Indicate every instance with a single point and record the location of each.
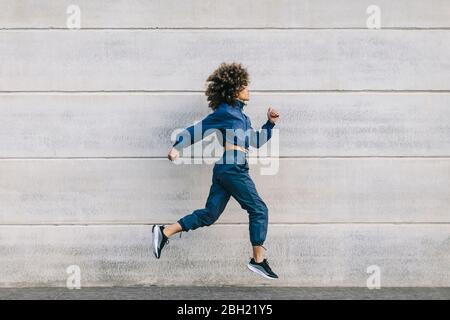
(272, 115)
(173, 154)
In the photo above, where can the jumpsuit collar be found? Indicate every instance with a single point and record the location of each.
(240, 103)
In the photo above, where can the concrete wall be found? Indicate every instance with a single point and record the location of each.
(86, 119)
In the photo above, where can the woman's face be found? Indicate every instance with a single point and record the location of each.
(244, 94)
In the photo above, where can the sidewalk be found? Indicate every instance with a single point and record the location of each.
(227, 293)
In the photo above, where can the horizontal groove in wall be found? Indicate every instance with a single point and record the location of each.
(201, 92)
(211, 159)
(217, 28)
(225, 224)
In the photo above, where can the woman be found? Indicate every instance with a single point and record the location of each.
(227, 94)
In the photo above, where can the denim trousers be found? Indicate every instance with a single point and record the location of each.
(231, 178)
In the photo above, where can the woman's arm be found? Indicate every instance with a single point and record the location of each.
(196, 132)
(259, 138)
(216, 120)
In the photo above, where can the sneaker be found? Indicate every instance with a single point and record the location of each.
(159, 240)
(262, 268)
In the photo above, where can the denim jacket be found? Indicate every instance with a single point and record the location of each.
(234, 125)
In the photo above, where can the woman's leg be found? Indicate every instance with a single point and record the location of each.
(172, 229)
(258, 253)
(215, 204)
(241, 187)
(217, 200)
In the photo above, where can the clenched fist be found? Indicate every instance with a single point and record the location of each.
(173, 154)
(272, 115)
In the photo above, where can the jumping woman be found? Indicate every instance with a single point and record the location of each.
(227, 93)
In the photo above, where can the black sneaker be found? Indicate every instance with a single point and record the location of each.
(262, 268)
(159, 240)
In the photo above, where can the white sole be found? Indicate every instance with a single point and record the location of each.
(259, 272)
(156, 239)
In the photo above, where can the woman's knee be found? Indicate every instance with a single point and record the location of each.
(259, 217)
(265, 209)
(262, 211)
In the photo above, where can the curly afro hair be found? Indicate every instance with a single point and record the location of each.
(225, 83)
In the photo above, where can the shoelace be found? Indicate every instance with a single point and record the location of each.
(167, 241)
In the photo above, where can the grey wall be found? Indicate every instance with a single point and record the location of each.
(86, 119)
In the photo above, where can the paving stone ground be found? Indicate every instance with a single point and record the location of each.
(227, 293)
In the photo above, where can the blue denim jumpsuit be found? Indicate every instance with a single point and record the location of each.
(230, 172)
